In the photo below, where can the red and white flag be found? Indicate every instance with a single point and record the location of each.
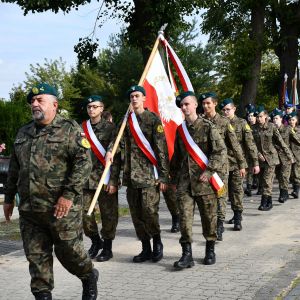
(161, 93)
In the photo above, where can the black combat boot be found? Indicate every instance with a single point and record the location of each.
(175, 223)
(89, 286)
(269, 203)
(231, 221)
(146, 253)
(158, 247)
(43, 296)
(281, 199)
(220, 229)
(186, 260)
(263, 203)
(285, 195)
(237, 220)
(97, 244)
(295, 192)
(210, 256)
(106, 253)
(248, 191)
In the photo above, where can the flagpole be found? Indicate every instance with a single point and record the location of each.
(122, 128)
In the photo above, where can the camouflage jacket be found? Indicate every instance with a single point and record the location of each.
(266, 137)
(245, 138)
(294, 143)
(48, 163)
(138, 171)
(234, 150)
(289, 136)
(105, 131)
(184, 171)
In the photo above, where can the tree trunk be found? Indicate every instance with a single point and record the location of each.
(249, 87)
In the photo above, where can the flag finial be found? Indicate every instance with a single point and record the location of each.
(162, 29)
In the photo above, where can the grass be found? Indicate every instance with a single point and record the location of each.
(10, 231)
(294, 283)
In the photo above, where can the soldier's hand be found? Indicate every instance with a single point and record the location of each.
(8, 210)
(173, 187)
(111, 189)
(243, 172)
(162, 187)
(62, 207)
(109, 157)
(203, 177)
(256, 170)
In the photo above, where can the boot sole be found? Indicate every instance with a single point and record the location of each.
(190, 265)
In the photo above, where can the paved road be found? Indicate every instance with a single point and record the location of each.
(260, 262)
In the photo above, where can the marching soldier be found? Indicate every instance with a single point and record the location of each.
(48, 167)
(146, 173)
(295, 176)
(199, 152)
(100, 134)
(209, 103)
(266, 136)
(235, 181)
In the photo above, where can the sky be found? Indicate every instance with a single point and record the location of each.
(29, 39)
(26, 40)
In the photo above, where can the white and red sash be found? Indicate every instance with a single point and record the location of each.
(96, 146)
(141, 141)
(199, 157)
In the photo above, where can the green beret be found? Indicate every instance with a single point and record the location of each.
(136, 88)
(251, 111)
(249, 107)
(207, 95)
(40, 89)
(225, 102)
(277, 112)
(259, 109)
(92, 98)
(183, 95)
(291, 115)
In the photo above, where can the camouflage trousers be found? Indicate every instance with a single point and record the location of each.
(108, 205)
(283, 172)
(251, 178)
(40, 232)
(266, 178)
(222, 201)
(235, 190)
(295, 174)
(207, 206)
(144, 206)
(171, 201)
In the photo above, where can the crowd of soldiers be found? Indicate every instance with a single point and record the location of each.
(56, 166)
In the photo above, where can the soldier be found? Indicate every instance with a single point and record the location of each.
(266, 136)
(190, 175)
(289, 108)
(100, 133)
(146, 173)
(295, 176)
(235, 153)
(235, 180)
(283, 170)
(251, 179)
(49, 164)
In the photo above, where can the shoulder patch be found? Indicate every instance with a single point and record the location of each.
(293, 130)
(160, 129)
(230, 127)
(247, 127)
(85, 143)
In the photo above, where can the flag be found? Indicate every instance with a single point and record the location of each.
(295, 99)
(161, 92)
(284, 93)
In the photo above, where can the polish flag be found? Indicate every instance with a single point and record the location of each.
(161, 93)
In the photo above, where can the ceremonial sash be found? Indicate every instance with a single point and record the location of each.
(96, 146)
(199, 157)
(141, 141)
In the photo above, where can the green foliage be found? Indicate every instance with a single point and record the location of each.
(44, 5)
(13, 115)
(86, 50)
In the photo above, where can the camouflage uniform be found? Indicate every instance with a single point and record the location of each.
(227, 133)
(235, 183)
(266, 137)
(46, 163)
(138, 175)
(283, 170)
(295, 173)
(108, 204)
(185, 173)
